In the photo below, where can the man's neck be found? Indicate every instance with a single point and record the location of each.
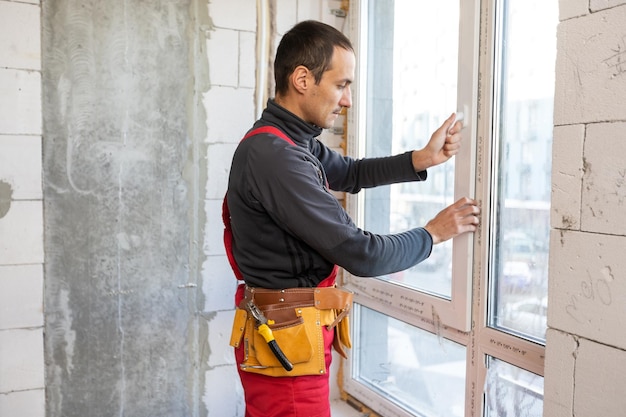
(288, 104)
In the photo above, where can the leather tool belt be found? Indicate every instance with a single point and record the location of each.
(296, 317)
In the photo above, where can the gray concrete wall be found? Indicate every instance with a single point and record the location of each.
(122, 184)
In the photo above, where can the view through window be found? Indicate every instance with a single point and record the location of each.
(411, 97)
(523, 149)
(409, 358)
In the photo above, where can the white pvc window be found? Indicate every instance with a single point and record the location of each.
(413, 369)
(413, 77)
(521, 167)
(471, 320)
(512, 391)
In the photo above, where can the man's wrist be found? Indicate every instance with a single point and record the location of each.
(420, 161)
(433, 237)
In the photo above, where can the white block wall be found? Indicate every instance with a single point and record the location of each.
(585, 371)
(230, 108)
(21, 212)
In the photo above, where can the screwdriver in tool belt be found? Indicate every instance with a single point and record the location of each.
(266, 332)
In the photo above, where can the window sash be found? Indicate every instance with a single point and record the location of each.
(455, 311)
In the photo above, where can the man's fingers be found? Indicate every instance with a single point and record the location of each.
(455, 128)
(460, 217)
(452, 143)
(468, 210)
(466, 201)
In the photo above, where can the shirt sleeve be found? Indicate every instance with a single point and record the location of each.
(291, 187)
(351, 175)
(374, 255)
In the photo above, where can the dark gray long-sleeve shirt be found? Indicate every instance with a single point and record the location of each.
(289, 230)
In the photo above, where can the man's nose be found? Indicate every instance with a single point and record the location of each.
(346, 98)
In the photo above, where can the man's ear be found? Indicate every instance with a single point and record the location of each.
(300, 78)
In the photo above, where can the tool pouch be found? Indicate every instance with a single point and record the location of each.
(299, 336)
(298, 330)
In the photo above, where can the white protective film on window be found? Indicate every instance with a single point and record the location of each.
(411, 70)
(416, 370)
(512, 391)
(521, 178)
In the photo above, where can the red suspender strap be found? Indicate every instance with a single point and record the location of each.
(228, 231)
(269, 129)
(228, 240)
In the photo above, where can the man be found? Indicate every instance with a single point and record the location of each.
(289, 231)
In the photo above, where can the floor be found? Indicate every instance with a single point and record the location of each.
(342, 409)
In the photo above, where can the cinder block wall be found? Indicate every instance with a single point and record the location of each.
(230, 104)
(224, 74)
(21, 212)
(231, 53)
(586, 342)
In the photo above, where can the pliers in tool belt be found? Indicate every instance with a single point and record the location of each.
(266, 332)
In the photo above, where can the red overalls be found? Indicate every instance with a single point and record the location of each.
(265, 396)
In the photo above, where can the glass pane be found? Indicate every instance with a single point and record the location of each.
(415, 369)
(524, 132)
(512, 391)
(412, 77)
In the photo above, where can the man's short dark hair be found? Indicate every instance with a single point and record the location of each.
(310, 44)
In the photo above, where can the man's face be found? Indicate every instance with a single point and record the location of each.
(326, 100)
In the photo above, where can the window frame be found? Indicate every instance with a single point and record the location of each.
(456, 311)
(464, 319)
(516, 350)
